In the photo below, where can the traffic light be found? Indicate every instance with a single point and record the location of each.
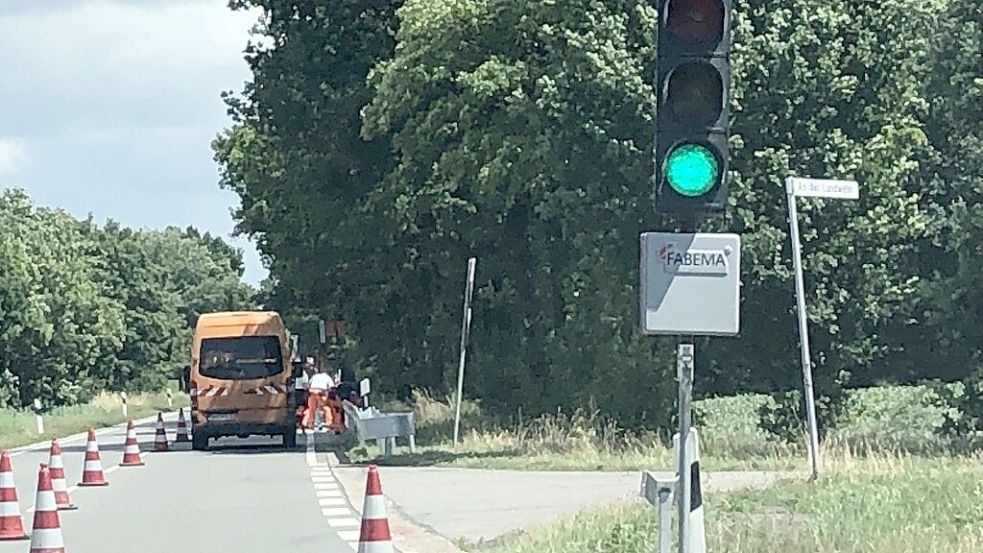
(693, 80)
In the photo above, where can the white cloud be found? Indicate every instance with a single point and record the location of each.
(117, 102)
(96, 62)
(13, 154)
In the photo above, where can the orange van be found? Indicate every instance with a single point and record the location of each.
(241, 378)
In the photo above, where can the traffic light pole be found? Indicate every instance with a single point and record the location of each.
(684, 368)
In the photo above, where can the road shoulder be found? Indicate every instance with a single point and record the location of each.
(408, 535)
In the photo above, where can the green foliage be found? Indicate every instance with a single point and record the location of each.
(56, 321)
(907, 417)
(380, 145)
(84, 308)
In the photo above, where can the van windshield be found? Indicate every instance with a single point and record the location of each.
(240, 358)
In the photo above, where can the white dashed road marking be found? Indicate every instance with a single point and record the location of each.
(334, 506)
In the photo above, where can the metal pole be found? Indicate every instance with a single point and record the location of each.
(684, 367)
(665, 521)
(465, 326)
(800, 297)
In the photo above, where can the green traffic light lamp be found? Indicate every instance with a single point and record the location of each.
(692, 170)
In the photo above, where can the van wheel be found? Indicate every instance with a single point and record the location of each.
(290, 439)
(199, 443)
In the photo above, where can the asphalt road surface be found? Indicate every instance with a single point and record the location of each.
(240, 495)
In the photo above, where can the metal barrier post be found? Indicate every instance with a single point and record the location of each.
(658, 493)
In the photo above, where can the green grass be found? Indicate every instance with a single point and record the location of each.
(873, 504)
(18, 427)
(580, 441)
(730, 436)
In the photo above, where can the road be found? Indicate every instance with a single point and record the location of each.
(240, 495)
(476, 505)
(251, 496)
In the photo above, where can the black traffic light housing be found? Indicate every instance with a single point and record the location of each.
(692, 118)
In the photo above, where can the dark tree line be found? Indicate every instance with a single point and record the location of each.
(380, 144)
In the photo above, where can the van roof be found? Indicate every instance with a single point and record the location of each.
(226, 318)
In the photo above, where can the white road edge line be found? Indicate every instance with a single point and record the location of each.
(80, 437)
(334, 505)
(349, 522)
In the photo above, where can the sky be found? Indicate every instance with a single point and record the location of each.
(108, 107)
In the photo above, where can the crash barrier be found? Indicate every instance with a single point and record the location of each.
(372, 424)
(660, 493)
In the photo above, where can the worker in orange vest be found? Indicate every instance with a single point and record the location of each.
(317, 398)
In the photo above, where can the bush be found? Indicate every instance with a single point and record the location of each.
(911, 418)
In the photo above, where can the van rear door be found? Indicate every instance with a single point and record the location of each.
(242, 373)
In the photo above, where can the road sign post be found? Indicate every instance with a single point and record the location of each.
(822, 188)
(684, 368)
(465, 330)
(690, 287)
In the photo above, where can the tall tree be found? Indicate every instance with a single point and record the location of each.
(57, 322)
(950, 339)
(296, 160)
(520, 132)
(84, 308)
(523, 132)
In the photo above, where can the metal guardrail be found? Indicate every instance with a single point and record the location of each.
(384, 428)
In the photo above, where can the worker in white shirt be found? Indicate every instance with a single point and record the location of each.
(317, 397)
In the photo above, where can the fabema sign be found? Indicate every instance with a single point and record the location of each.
(690, 284)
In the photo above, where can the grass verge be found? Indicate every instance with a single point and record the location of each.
(861, 505)
(19, 427)
(730, 438)
(581, 441)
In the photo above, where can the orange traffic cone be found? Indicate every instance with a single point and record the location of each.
(160, 440)
(11, 522)
(131, 455)
(375, 536)
(46, 536)
(57, 472)
(92, 474)
(182, 428)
